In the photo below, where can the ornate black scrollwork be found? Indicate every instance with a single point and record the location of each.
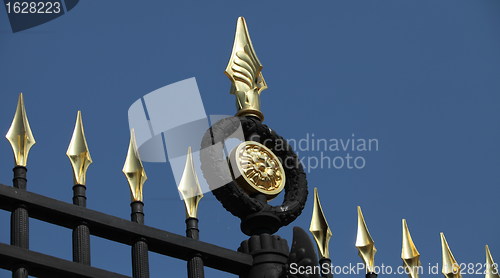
(237, 201)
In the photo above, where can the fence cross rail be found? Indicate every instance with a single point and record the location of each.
(120, 230)
(42, 265)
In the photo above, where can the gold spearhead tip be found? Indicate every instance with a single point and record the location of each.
(245, 72)
(319, 227)
(19, 135)
(78, 152)
(409, 253)
(365, 243)
(134, 171)
(189, 187)
(450, 269)
(491, 267)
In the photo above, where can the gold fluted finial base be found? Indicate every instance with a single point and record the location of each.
(250, 113)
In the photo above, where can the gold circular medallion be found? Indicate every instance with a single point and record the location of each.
(257, 169)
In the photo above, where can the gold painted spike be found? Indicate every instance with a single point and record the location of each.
(78, 152)
(189, 187)
(134, 171)
(450, 269)
(365, 243)
(409, 253)
(245, 72)
(19, 135)
(491, 266)
(319, 227)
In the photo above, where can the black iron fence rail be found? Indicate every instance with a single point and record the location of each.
(42, 265)
(120, 230)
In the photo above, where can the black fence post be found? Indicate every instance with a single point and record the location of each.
(79, 157)
(21, 140)
(270, 255)
(81, 232)
(140, 257)
(190, 190)
(136, 176)
(19, 233)
(195, 264)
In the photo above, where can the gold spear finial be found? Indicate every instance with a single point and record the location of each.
(245, 72)
(409, 253)
(189, 187)
(19, 135)
(491, 266)
(133, 170)
(450, 269)
(319, 227)
(78, 152)
(365, 243)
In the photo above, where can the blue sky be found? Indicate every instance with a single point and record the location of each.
(422, 77)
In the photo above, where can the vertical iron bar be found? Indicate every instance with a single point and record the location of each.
(326, 272)
(195, 264)
(19, 225)
(81, 232)
(140, 260)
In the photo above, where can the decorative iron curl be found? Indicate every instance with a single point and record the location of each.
(214, 166)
